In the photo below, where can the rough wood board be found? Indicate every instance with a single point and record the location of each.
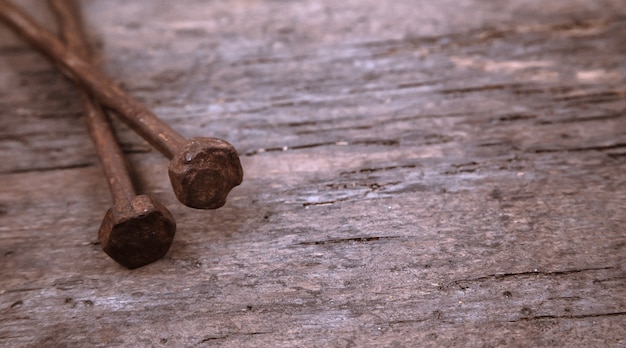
(417, 173)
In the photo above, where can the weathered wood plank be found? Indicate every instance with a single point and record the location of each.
(419, 173)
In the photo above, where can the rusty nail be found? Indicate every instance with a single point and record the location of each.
(137, 230)
(202, 170)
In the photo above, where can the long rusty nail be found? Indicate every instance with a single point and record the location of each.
(137, 230)
(202, 170)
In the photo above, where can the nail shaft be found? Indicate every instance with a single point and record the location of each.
(133, 113)
(137, 230)
(100, 130)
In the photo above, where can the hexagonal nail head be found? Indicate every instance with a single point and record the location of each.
(204, 171)
(139, 235)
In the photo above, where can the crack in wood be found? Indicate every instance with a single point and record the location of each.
(468, 164)
(582, 149)
(371, 186)
(572, 316)
(213, 338)
(546, 90)
(349, 240)
(378, 169)
(462, 168)
(593, 98)
(22, 290)
(516, 117)
(483, 88)
(417, 84)
(408, 321)
(523, 274)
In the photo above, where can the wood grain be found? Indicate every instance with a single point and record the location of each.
(417, 173)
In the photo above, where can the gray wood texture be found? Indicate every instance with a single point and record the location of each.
(417, 173)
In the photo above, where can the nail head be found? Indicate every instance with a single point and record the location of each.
(204, 171)
(138, 234)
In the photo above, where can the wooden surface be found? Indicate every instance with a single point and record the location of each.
(417, 173)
